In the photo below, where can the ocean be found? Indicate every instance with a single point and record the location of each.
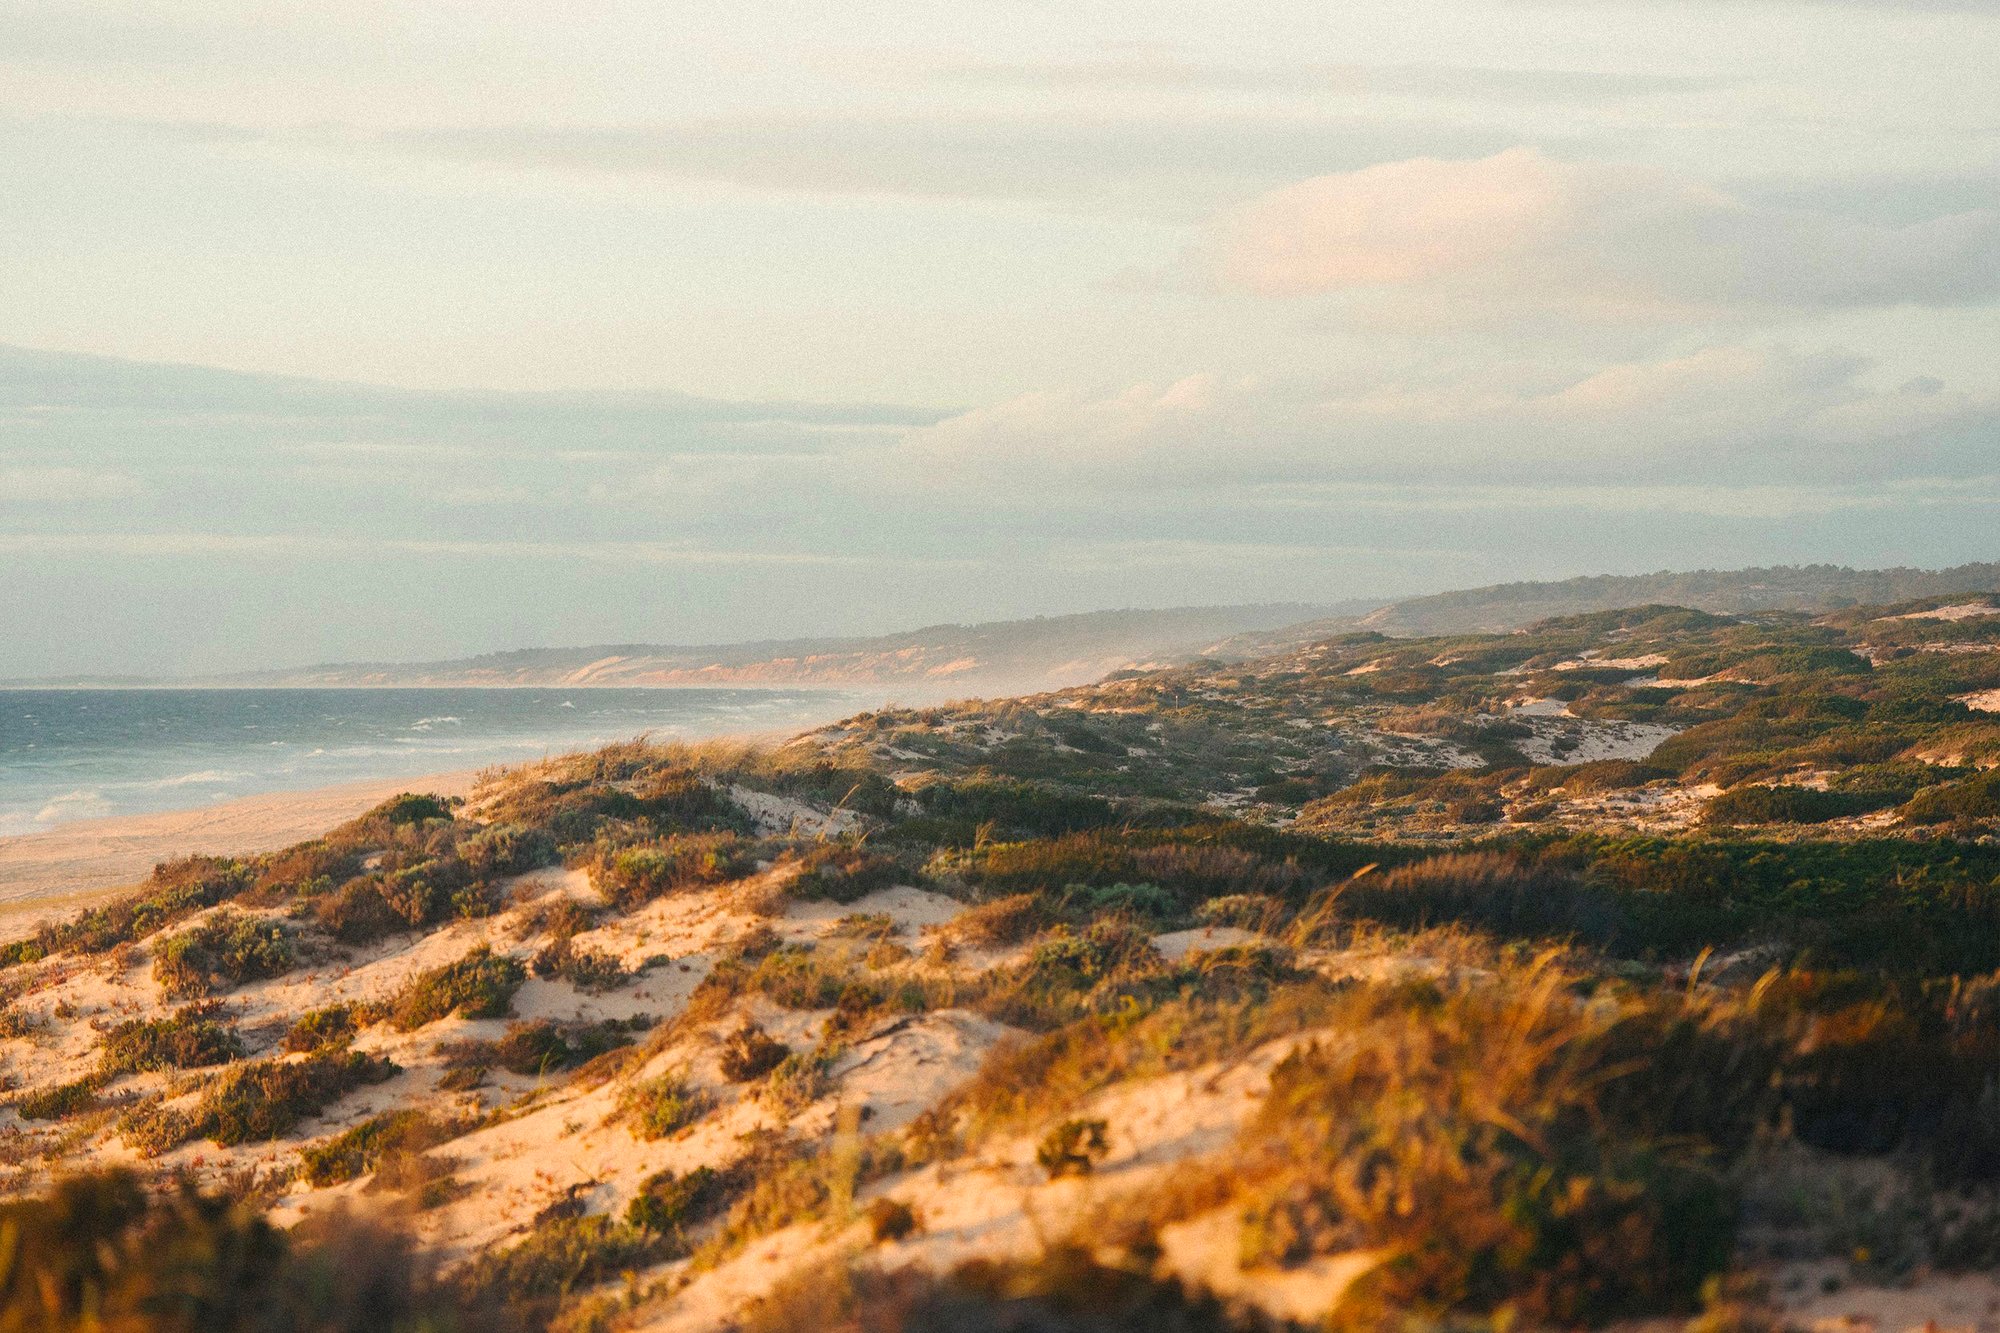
(82, 754)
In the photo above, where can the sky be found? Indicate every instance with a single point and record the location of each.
(383, 330)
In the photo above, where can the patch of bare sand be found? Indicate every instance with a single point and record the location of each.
(43, 874)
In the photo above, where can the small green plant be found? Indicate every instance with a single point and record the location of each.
(1073, 1148)
(664, 1105)
(366, 1146)
(750, 1052)
(590, 970)
(60, 1101)
(890, 1219)
(797, 1081)
(670, 1203)
(479, 985)
(317, 1029)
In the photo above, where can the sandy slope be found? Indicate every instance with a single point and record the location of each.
(42, 872)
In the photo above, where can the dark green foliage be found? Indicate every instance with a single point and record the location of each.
(261, 1100)
(1015, 808)
(1791, 805)
(541, 1046)
(506, 849)
(1072, 1148)
(226, 950)
(842, 872)
(100, 1253)
(409, 808)
(1064, 1290)
(1490, 890)
(750, 1052)
(560, 1256)
(1975, 798)
(664, 1105)
(189, 1038)
(670, 1203)
(479, 985)
(587, 969)
(60, 1101)
(359, 1150)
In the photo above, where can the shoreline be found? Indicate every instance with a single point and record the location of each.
(51, 872)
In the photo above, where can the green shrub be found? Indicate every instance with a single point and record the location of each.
(1490, 890)
(479, 985)
(1973, 798)
(226, 950)
(634, 876)
(317, 1029)
(1072, 1148)
(842, 872)
(541, 1046)
(664, 1105)
(250, 1103)
(1790, 805)
(890, 1219)
(563, 1255)
(361, 1149)
(186, 1039)
(750, 1052)
(175, 890)
(592, 971)
(61, 1100)
(670, 1203)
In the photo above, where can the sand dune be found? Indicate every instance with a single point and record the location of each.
(48, 872)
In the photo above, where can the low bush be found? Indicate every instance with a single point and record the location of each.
(670, 1203)
(186, 1039)
(750, 1052)
(633, 876)
(1063, 1290)
(842, 872)
(1790, 805)
(1976, 798)
(226, 950)
(563, 1255)
(664, 1105)
(364, 1147)
(479, 985)
(317, 1029)
(1490, 890)
(249, 1103)
(890, 1219)
(541, 1047)
(1072, 1148)
(61, 1100)
(592, 971)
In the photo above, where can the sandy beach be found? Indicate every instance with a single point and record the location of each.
(42, 873)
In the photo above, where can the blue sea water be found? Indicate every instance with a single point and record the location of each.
(81, 754)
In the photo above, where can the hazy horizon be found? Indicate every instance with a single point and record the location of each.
(396, 331)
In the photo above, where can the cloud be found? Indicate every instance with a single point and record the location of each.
(65, 485)
(1447, 82)
(1728, 415)
(1519, 232)
(1142, 163)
